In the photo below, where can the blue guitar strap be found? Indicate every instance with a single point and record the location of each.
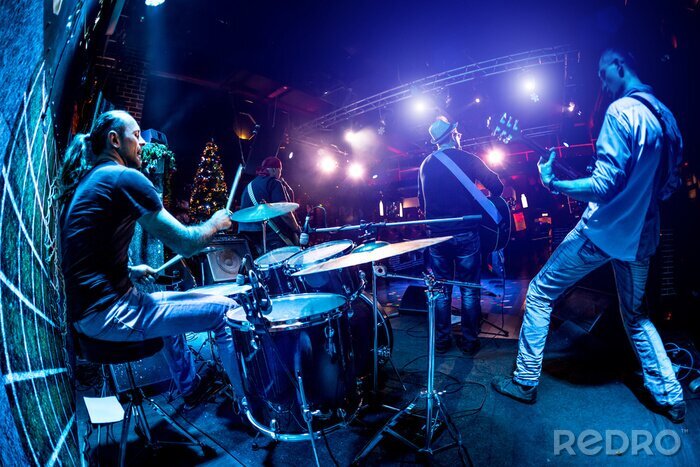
(478, 196)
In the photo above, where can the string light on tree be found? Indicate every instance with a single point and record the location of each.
(210, 192)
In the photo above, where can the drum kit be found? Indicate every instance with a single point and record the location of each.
(302, 338)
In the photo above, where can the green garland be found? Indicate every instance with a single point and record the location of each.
(152, 153)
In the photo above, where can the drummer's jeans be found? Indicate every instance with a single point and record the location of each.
(458, 259)
(138, 316)
(570, 262)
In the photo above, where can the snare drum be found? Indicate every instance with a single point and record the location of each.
(272, 271)
(306, 346)
(344, 281)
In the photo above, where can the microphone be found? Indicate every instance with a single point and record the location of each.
(304, 237)
(240, 278)
(256, 128)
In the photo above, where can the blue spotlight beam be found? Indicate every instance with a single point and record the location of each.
(440, 81)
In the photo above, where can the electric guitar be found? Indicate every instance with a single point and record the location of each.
(507, 129)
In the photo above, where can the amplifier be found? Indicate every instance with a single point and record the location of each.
(223, 262)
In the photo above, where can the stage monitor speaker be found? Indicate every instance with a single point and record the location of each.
(414, 300)
(583, 306)
(222, 264)
(147, 372)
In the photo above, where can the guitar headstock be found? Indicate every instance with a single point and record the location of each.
(505, 129)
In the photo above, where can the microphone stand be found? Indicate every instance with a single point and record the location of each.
(436, 413)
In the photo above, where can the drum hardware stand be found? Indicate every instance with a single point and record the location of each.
(307, 417)
(376, 225)
(431, 396)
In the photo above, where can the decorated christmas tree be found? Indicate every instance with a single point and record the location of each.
(209, 193)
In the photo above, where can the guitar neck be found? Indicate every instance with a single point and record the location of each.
(543, 152)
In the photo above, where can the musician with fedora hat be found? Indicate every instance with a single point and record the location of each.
(441, 194)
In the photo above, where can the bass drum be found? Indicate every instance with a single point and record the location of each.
(361, 323)
(304, 353)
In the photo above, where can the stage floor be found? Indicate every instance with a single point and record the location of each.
(588, 383)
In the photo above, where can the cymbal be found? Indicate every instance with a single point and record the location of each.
(263, 212)
(375, 255)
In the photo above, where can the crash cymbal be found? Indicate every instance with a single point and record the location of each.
(375, 255)
(263, 212)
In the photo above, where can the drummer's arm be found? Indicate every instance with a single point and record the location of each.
(184, 240)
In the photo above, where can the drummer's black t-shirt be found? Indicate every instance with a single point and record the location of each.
(96, 230)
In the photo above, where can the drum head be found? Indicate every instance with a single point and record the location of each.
(319, 253)
(226, 289)
(295, 310)
(276, 257)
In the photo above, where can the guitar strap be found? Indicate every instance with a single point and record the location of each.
(478, 196)
(663, 166)
(270, 221)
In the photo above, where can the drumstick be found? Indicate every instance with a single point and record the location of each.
(236, 180)
(172, 261)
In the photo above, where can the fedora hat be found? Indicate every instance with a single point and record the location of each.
(440, 129)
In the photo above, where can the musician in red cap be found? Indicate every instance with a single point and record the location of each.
(269, 187)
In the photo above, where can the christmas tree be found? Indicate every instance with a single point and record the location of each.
(209, 193)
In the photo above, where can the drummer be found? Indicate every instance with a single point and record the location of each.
(103, 195)
(269, 187)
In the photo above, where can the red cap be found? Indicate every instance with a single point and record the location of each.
(269, 163)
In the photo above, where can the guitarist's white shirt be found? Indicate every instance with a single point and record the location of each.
(626, 224)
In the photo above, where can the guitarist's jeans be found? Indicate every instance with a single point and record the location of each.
(571, 261)
(458, 259)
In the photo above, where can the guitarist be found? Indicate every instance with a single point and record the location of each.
(441, 194)
(638, 157)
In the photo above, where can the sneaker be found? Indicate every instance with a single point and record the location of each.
(470, 348)
(675, 412)
(204, 387)
(510, 388)
(443, 346)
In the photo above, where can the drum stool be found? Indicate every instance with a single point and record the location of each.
(111, 353)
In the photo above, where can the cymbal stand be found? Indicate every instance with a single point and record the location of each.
(264, 235)
(375, 348)
(436, 413)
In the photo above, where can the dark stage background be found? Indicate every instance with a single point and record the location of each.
(201, 70)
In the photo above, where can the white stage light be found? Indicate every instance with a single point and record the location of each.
(154, 2)
(495, 156)
(356, 171)
(328, 164)
(351, 136)
(477, 100)
(530, 85)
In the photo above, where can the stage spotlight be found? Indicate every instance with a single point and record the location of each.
(328, 164)
(421, 104)
(351, 137)
(374, 177)
(495, 156)
(571, 107)
(477, 100)
(291, 154)
(530, 85)
(356, 171)
(154, 2)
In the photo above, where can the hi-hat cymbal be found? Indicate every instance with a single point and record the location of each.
(375, 255)
(263, 212)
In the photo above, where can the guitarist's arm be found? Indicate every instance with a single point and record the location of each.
(608, 177)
